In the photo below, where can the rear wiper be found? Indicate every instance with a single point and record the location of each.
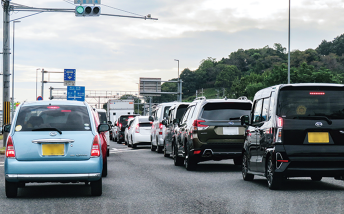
(316, 118)
(48, 129)
(234, 118)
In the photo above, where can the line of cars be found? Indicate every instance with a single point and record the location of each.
(292, 130)
(55, 141)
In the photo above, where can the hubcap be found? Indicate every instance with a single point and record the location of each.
(270, 172)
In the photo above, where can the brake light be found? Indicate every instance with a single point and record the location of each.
(160, 125)
(280, 122)
(137, 128)
(316, 93)
(120, 125)
(10, 153)
(117, 123)
(283, 161)
(95, 152)
(198, 126)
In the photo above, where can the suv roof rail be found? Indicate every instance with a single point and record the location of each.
(242, 98)
(200, 98)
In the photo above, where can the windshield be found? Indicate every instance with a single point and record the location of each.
(181, 110)
(64, 118)
(306, 102)
(225, 111)
(102, 117)
(124, 119)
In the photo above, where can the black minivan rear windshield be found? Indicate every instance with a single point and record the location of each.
(311, 102)
(61, 117)
(225, 111)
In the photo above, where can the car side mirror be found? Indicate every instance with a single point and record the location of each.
(176, 121)
(6, 128)
(103, 128)
(151, 118)
(109, 122)
(245, 120)
(164, 122)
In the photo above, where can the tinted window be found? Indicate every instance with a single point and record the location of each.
(102, 117)
(225, 111)
(307, 102)
(272, 104)
(145, 125)
(185, 116)
(257, 113)
(181, 110)
(64, 118)
(124, 120)
(166, 112)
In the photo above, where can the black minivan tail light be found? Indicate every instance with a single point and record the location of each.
(316, 93)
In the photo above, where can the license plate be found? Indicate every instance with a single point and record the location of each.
(318, 137)
(52, 149)
(230, 131)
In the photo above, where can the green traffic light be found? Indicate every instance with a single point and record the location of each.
(80, 9)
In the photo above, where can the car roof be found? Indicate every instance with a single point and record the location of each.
(222, 101)
(54, 102)
(100, 110)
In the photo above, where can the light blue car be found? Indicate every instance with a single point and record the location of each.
(53, 141)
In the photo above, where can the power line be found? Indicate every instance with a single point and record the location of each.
(121, 10)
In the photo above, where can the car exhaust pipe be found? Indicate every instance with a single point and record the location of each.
(207, 153)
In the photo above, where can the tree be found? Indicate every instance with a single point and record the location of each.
(227, 75)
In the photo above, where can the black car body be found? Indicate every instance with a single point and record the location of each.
(211, 130)
(122, 122)
(174, 116)
(295, 130)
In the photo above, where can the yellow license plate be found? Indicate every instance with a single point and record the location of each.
(52, 149)
(318, 137)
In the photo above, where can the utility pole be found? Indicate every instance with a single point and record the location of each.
(6, 68)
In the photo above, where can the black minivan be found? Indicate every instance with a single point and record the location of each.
(295, 130)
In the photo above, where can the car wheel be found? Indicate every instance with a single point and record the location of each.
(159, 149)
(108, 152)
(129, 145)
(274, 181)
(189, 162)
(105, 171)
(244, 171)
(238, 161)
(178, 161)
(11, 189)
(97, 187)
(153, 148)
(165, 153)
(316, 178)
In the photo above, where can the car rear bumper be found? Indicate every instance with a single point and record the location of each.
(141, 139)
(216, 152)
(52, 177)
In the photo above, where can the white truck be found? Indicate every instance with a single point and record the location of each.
(117, 108)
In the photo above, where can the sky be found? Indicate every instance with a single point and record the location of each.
(111, 53)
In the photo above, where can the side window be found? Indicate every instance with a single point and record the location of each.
(265, 109)
(158, 113)
(257, 112)
(184, 119)
(170, 116)
(192, 111)
(272, 104)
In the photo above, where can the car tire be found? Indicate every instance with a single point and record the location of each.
(189, 162)
(108, 152)
(178, 161)
(11, 189)
(165, 153)
(274, 181)
(105, 169)
(244, 169)
(153, 148)
(96, 188)
(238, 161)
(316, 178)
(159, 149)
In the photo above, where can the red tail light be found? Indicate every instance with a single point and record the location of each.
(137, 128)
(160, 125)
(10, 153)
(117, 123)
(120, 125)
(196, 152)
(283, 161)
(198, 126)
(317, 93)
(95, 152)
(280, 122)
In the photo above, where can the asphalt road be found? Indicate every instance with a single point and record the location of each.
(141, 181)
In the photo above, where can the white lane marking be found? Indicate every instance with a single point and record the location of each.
(114, 150)
(1, 165)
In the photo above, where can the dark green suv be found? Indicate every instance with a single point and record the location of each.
(211, 130)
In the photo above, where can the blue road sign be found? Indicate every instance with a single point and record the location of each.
(76, 93)
(39, 98)
(69, 74)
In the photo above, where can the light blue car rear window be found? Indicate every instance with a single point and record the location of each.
(62, 117)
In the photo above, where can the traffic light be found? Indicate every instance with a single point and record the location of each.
(87, 11)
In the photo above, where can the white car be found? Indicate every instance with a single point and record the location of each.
(140, 131)
(158, 129)
(126, 131)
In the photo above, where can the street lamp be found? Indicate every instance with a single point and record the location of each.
(36, 82)
(289, 46)
(14, 22)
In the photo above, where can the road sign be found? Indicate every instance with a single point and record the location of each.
(76, 93)
(39, 98)
(150, 86)
(87, 1)
(69, 77)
